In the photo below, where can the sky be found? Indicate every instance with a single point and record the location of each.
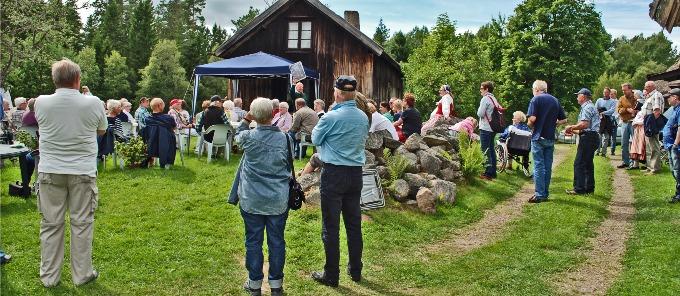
(620, 17)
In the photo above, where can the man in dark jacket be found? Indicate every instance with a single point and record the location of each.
(159, 134)
(214, 115)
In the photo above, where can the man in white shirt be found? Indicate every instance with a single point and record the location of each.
(654, 105)
(380, 122)
(69, 124)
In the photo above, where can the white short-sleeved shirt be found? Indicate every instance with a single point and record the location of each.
(380, 122)
(68, 124)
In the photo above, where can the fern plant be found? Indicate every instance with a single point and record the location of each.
(396, 165)
(472, 157)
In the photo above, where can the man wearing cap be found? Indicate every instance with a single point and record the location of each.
(340, 136)
(671, 140)
(587, 129)
(214, 115)
(181, 120)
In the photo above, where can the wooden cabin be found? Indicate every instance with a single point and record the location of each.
(309, 32)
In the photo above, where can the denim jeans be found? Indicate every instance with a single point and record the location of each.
(542, 151)
(614, 133)
(255, 226)
(674, 161)
(625, 142)
(487, 140)
(341, 194)
(584, 168)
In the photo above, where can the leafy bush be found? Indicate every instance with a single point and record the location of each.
(396, 165)
(472, 158)
(133, 152)
(27, 139)
(447, 155)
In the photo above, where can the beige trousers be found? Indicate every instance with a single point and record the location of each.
(653, 153)
(80, 194)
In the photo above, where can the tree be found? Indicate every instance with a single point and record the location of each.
(447, 58)
(559, 41)
(217, 36)
(164, 76)
(244, 19)
(116, 74)
(415, 38)
(382, 33)
(629, 54)
(493, 38)
(171, 20)
(90, 73)
(613, 81)
(111, 33)
(397, 47)
(141, 35)
(640, 76)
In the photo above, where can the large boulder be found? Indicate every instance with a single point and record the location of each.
(432, 140)
(313, 197)
(391, 143)
(444, 190)
(414, 142)
(374, 141)
(383, 172)
(429, 163)
(370, 159)
(448, 174)
(412, 161)
(309, 180)
(426, 201)
(455, 165)
(443, 132)
(401, 189)
(415, 182)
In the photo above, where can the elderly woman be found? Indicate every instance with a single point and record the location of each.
(229, 110)
(409, 121)
(115, 108)
(127, 106)
(261, 189)
(29, 117)
(283, 119)
(638, 143)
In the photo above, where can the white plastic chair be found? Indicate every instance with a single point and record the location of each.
(303, 143)
(127, 128)
(221, 138)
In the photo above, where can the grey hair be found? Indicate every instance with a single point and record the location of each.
(320, 103)
(300, 102)
(18, 101)
(284, 105)
(275, 103)
(261, 109)
(228, 105)
(540, 85)
(238, 102)
(112, 104)
(65, 73)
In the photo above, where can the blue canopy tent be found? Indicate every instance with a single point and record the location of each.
(256, 65)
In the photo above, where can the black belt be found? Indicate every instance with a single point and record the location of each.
(588, 133)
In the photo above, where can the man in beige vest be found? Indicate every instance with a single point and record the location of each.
(69, 124)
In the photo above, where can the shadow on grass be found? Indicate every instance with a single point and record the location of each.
(19, 205)
(379, 288)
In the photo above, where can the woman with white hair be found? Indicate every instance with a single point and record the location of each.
(261, 190)
(229, 110)
(114, 108)
(283, 119)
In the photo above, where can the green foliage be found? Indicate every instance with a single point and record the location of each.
(640, 76)
(382, 33)
(447, 58)
(27, 139)
(472, 157)
(141, 35)
(492, 38)
(133, 151)
(628, 54)
(116, 74)
(164, 76)
(396, 165)
(613, 81)
(446, 155)
(561, 42)
(90, 75)
(397, 47)
(243, 20)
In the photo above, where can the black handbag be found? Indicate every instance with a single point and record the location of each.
(295, 194)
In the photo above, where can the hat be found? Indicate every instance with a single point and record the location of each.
(584, 91)
(346, 83)
(175, 101)
(215, 98)
(446, 88)
(673, 92)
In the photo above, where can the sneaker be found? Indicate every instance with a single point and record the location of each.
(94, 276)
(321, 278)
(252, 291)
(534, 199)
(5, 258)
(675, 200)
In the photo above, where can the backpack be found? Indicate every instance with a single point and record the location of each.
(497, 121)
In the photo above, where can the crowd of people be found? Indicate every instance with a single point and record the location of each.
(72, 123)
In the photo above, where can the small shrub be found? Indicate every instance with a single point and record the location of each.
(133, 151)
(27, 139)
(473, 160)
(396, 165)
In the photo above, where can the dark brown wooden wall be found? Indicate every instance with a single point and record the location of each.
(334, 52)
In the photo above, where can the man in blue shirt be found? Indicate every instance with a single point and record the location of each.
(340, 136)
(587, 129)
(606, 107)
(671, 140)
(545, 113)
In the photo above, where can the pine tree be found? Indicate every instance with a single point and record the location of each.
(382, 33)
(244, 19)
(164, 76)
(142, 36)
(116, 73)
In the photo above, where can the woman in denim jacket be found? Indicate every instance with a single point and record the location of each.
(262, 187)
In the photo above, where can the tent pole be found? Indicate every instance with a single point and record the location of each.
(197, 79)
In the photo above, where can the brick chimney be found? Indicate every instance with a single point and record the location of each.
(352, 17)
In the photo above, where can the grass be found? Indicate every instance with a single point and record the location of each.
(652, 261)
(168, 232)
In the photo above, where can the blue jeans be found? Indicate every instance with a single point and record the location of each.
(255, 226)
(487, 140)
(625, 142)
(542, 151)
(674, 161)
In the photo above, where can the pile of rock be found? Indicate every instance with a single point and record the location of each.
(433, 167)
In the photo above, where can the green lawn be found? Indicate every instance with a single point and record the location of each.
(652, 263)
(169, 232)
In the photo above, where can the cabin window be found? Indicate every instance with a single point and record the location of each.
(300, 35)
